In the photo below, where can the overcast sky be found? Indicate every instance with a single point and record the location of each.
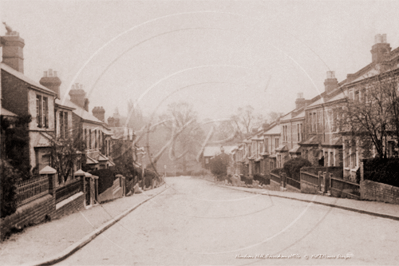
(217, 55)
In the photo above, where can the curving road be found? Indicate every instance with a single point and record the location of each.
(195, 222)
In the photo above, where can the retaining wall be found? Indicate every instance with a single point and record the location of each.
(292, 188)
(310, 188)
(274, 185)
(70, 205)
(370, 190)
(30, 214)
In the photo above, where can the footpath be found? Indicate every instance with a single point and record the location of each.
(379, 209)
(50, 242)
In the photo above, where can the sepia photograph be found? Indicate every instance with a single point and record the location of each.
(199, 132)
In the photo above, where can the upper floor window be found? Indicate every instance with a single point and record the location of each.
(90, 142)
(95, 139)
(313, 121)
(63, 124)
(277, 140)
(357, 96)
(42, 111)
(266, 143)
(285, 133)
(299, 131)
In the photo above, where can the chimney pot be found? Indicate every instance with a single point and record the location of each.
(13, 50)
(377, 38)
(331, 82)
(51, 82)
(384, 38)
(380, 49)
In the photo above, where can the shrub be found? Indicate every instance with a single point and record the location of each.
(218, 165)
(262, 179)
(8, 195)
(106, 179)
(382, 170)
(276, 171)
(293, 167)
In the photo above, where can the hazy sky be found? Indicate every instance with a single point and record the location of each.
(217, 55)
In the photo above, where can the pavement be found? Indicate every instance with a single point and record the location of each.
(379, 209)
(51, 242)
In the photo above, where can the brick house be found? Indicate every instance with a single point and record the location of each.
(328, 143)
(23, 96)
(90, 128)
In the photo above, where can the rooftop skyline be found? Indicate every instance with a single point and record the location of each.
(217, 55)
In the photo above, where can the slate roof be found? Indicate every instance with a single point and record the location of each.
(210, 151)
(5, 112)
(21, 76)
(82, 113)
(273, 131)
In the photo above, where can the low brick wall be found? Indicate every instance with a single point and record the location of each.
(116, 191)
(274, 185)
(292, 188)
(370, 190)
(344, 189)
(307, 187)
(72, 206)
(29, 214)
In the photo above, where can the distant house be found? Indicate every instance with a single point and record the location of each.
(211, 151)
(90, 128)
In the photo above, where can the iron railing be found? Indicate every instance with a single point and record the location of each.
(31, 189)
(68, 190)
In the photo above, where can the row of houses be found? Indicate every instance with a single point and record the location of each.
(54, 120)
(312, 129)
(53, 117)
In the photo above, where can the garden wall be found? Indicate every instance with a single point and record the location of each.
(32, 213)
(370, 190)
(113, 192)
(70, 205)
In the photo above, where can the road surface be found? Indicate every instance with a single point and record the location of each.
(195, 222)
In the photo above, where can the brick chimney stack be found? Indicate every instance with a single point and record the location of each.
(78, 96)
(51, 81)
(99, 112)
(300, 101)
(13, 49)
(380, 49)
(331, 82)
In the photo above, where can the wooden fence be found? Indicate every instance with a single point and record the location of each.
(293, 182)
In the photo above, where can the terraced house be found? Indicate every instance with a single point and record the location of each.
(61, 139)
(321, 129)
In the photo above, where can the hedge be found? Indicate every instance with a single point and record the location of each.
(382, 170)
(106, 179)
(8, 177)
(293, 167)
(262, 179)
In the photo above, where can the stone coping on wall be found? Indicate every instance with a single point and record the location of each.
(68, 200)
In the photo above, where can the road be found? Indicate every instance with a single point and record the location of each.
(196, 222)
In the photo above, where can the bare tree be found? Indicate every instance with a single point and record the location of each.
(181, 122)
(65, 154)
(371, 112)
